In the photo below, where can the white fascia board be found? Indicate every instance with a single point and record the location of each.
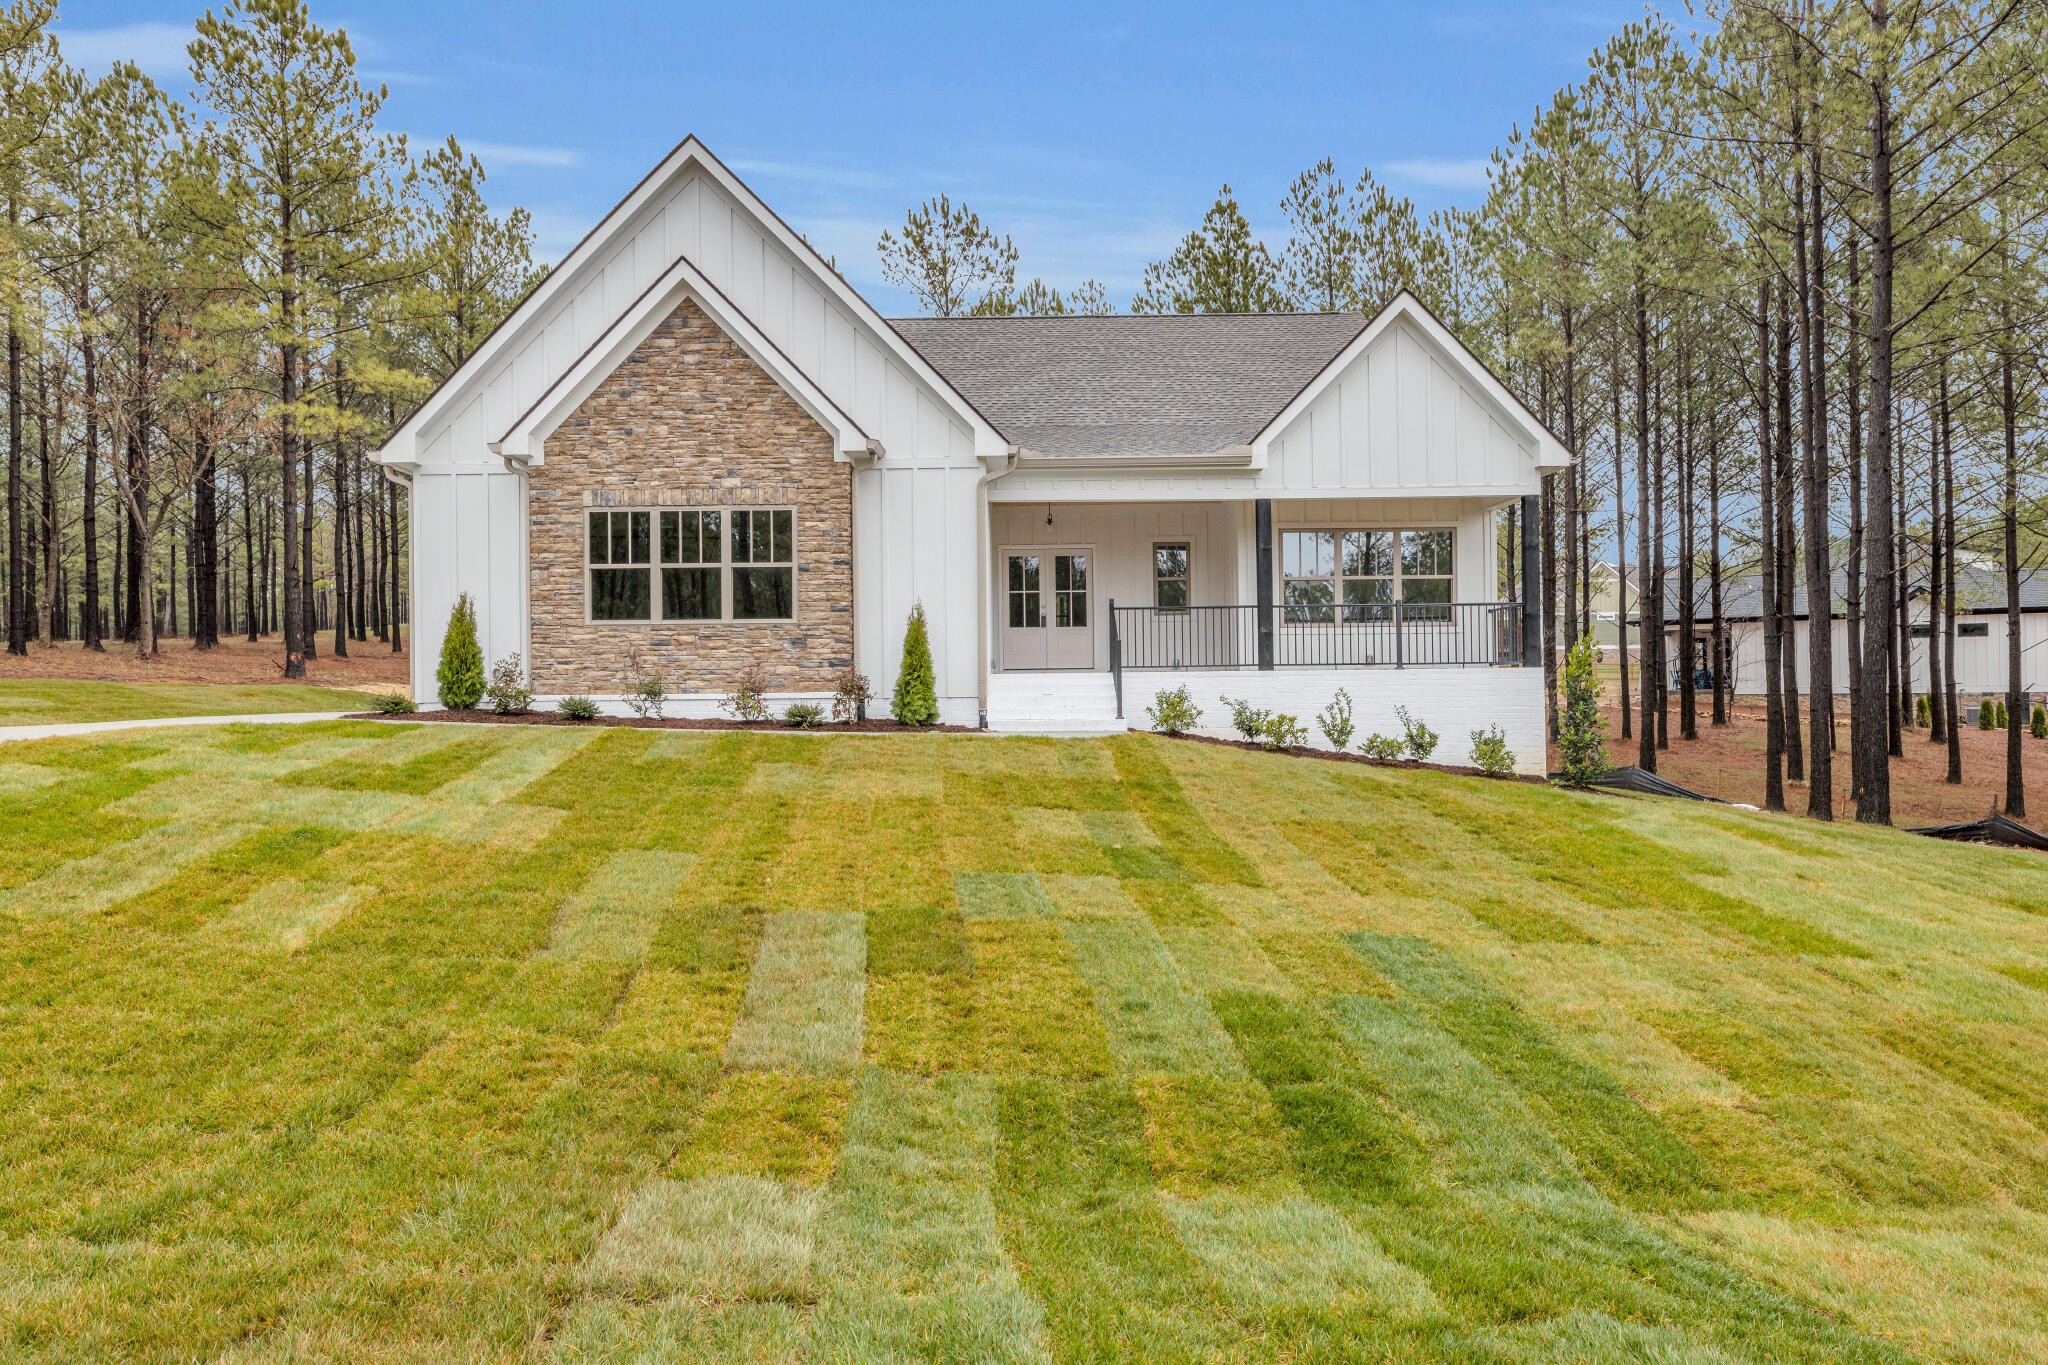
(689, 154)
(1229, 458)
(1550, 452)
(525, 442)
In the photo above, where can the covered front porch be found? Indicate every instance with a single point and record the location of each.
(1256, 584)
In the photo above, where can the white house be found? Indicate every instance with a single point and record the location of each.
(1979, 643)
(694, 447)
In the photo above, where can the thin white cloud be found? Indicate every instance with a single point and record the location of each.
(1443, 173)
(496, 154)
(811, 173)
(158, 49)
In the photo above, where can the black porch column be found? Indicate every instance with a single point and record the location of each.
(1262, 537)
(1532, 601)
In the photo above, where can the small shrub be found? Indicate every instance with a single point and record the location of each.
(850, 695)
(1248, 720)
(1581, 730)
(916, 701)
(1987, 715)
(1282, 731)
(394, 704)
(576, 708)
(1335, 721)
(749, 699)
(2038, 726)
(507, 692)
(803, 715)
(1923, 712)
(1418, 739)
(460, 678)
(1175, 712)
(1387, 747)
(2003, 722)
(1490, 753)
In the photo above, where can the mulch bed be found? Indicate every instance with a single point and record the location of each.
(859, 727)
(1331, 756)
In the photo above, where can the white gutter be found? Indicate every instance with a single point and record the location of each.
(986, 658)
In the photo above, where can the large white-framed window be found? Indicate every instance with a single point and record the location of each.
(1330, 575)
(648, 565)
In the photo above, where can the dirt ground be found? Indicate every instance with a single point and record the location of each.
(1729, 763)
(370, 667)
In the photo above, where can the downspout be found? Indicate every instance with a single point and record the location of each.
(986, 658)
(403, 478)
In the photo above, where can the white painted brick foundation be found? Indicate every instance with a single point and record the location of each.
(1451, 701)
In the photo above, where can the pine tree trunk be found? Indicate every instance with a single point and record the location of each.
(340, 554)
(1767, 568)
(1852, 571)
(1872, 766)
(1948, 534)
(89, 526)
(1785, 463)
(1937, 729)
(2009, 518)
(48, 620)
(17, 608)
(205, 548)
(1820, 596)
(1621, 557)
(1651, 613)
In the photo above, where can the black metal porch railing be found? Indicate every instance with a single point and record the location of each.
(1390, 635)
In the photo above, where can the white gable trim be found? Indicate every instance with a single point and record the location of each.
(689, 156)
(526, 440)
(1550, 452)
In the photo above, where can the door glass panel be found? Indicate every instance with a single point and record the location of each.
(1070, 590)
(1024, 590)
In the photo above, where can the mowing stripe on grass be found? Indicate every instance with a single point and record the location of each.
(1032, 1012)
(722, 1238)
(1154, 1022)
(287, 915)
(804, 999)
(1079, 1216)
(1002, 895)
(1621, 1145)
(1203, 1134)
(768, 1123)
(621, 906)
(504, 774)
(1294, 1252)
(1153, 792)
(119, 871)
(1222, 958)
(679, 1330)
(910, 1229)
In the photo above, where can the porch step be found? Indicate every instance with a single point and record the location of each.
(1053, 703)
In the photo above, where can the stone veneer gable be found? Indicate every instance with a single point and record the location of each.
(689, 420)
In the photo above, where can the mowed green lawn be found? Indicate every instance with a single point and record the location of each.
(61, 703)
(358, 1042)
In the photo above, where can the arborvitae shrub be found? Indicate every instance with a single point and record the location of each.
(1923, 713)
(1581, 729)
(916, 701)
(1987, 714)
(460, 678)
(2003, 721)
(2038, 727)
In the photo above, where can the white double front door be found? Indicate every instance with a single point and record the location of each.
(1048, 611)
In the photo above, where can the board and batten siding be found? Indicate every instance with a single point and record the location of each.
(1398, 417)
(921, 494)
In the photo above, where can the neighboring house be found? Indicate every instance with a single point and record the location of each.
(1980, 645)
(695, 447)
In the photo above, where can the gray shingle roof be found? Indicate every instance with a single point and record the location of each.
(1173, 384)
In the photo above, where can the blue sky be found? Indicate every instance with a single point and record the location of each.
(1094, 135)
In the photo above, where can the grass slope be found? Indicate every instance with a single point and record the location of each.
(359, 1042)
(61, 703)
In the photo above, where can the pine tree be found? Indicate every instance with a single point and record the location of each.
(917, 700)
(1218, 268)
(946, 255)
(460, 679)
